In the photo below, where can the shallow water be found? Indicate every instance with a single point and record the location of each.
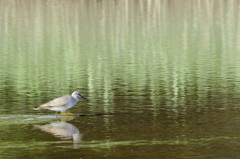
(162, 78)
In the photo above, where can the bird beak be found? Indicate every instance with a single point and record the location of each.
(84, 98)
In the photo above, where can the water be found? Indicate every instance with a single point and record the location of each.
(163, 78)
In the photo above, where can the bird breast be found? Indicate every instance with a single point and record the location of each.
(72, 102)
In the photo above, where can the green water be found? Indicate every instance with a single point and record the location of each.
(163, 78)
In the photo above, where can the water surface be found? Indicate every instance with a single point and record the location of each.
(163, 78)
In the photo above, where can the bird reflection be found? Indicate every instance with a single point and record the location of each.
(63, 130)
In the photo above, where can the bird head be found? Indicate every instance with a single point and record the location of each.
(77, 94)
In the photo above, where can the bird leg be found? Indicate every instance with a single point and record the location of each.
(56, 114)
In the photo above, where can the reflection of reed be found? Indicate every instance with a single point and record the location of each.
(115, 47)
(63, 130)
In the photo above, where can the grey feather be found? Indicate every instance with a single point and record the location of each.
(60, 101)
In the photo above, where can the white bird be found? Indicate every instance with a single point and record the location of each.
(61, 104)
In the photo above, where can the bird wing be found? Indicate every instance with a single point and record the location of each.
(60, 101)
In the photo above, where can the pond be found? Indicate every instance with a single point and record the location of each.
(162, 77)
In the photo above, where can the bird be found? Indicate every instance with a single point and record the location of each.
(61, 104)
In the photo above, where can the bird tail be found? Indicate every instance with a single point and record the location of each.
(36, 108)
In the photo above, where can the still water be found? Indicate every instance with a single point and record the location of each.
(162, 76)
